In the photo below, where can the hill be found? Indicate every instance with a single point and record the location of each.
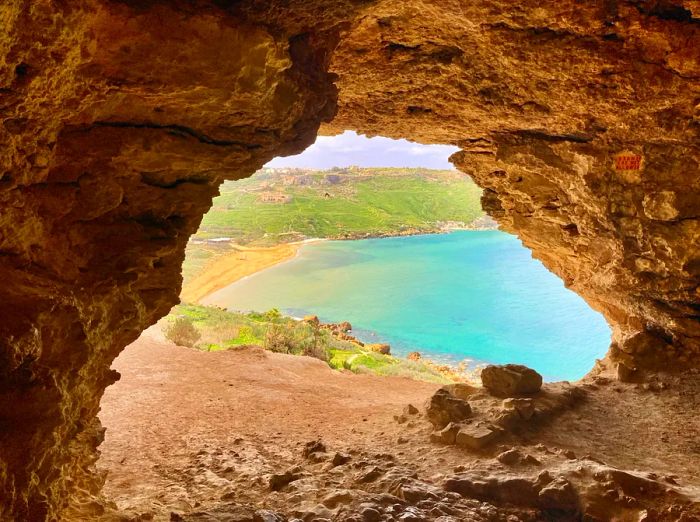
(281, 205)
(286, 205)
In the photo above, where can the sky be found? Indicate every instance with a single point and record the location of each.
(350, 148)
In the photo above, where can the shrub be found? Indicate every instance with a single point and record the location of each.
(300, 339)
(279, 339)
(182, 332)
(316, 345)
(245, 335)
(272, 315)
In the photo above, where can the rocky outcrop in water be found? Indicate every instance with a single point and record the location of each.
(120, 119)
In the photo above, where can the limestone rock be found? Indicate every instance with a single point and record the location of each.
(340, 458)
(382, 348)
(312, 320)
(578, 119)
(446, 435)
(624, 373)
(559, 495)
(443, 408)
(278, 481)
(461, 390)
(524, 407)
(312, 447)
(410, 409)
(511, 380)
(475, 436)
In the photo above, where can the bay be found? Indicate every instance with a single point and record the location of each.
(476, 295)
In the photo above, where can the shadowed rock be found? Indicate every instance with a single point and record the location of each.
(511, 380)
(443, 408)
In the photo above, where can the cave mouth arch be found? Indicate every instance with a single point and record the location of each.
(120, 122)
(506, 308)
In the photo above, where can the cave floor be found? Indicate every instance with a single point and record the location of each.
(193, 432)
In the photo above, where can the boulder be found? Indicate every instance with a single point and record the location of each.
(382, 348)
(313, 320)
(559, 495)
(314, 446)
(511, 380)
(475, 436)
(414, 356)
(344, 326)
(443, 408)
(264, 515)
(513, 457)
(340, 458)
(461, 390)
(280, 480)
(410, 409)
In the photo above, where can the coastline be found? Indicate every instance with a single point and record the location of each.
(235, 265)
(243, 262)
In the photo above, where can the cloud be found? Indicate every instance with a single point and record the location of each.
(349, 148)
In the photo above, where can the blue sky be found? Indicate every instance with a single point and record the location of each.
(350, 148)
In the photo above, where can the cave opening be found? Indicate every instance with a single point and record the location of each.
(121, 119)
(292, 250)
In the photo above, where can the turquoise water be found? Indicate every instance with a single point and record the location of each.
(466, 295)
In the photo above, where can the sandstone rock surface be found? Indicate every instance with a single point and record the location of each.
(443, 408)
(511, 380)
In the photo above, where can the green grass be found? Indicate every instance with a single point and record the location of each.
(223, 330)
(371, 202)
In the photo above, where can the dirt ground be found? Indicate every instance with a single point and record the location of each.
(188, 430)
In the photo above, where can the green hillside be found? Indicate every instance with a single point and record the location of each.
(284, 205)
(341, 203)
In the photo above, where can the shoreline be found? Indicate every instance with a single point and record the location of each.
(233, 266)
(230, 268)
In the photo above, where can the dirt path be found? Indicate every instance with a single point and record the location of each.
(190, 430)
(173, 402)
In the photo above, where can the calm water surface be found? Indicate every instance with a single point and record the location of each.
(465, 295)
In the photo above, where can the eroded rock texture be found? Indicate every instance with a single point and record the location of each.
(542, 98)
(120, 119)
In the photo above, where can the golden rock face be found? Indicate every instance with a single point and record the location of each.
(121, 118)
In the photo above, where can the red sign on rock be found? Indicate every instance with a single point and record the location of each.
(626, 161)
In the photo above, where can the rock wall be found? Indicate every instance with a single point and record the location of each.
(118, 124)
(120, 119)
(581, 122)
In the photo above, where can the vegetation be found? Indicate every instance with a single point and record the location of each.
(182, 332)
(337, 203)
(219, 329)
(283, 205)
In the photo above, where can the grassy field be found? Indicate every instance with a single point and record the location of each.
(335, 204)
(211, 329)
(282, 205)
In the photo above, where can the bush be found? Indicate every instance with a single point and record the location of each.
(315, 345)
(182, 332)
(245, 335)
(279, 339)
(299, 339)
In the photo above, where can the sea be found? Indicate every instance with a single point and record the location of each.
(474, 296)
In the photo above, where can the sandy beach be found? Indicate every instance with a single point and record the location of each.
(230, 267)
